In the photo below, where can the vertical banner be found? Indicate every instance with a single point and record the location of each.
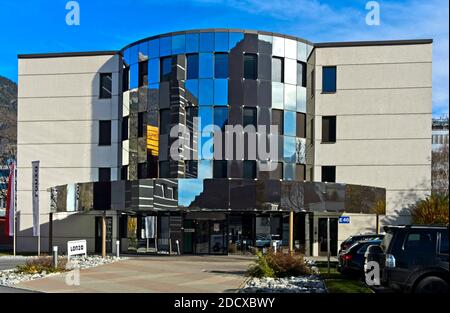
(150, 227)
(35, 197)
(10, 201)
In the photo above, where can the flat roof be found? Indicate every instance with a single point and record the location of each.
(373, 43)
(65, 54)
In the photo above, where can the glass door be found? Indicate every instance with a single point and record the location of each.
(202, 237)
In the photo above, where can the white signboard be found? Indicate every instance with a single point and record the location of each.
(35, 197)
(76, 247)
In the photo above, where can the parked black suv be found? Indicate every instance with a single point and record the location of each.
(413, 258)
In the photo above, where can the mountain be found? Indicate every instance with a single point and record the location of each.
(8, 93)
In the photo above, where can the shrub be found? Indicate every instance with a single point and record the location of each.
(278, 265)
(431, 210)
(41, 264)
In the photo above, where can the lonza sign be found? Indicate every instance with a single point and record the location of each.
(260, 144)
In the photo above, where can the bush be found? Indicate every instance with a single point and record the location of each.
(431, 210)
(41, 264)
(278, 265)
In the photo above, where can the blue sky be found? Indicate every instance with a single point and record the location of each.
(37, 26)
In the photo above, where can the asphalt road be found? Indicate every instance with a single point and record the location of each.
(14, 290)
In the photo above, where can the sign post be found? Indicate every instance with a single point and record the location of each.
(76, 247)
(35, 198)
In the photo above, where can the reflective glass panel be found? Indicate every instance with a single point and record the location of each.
(178, 44)
(143, 51)
(188, 190)
(250, 66)
(290, 76)
(153, 48)
(278, 46)
(277, 70)
(221, 65)
(153, 71)
(249, 117)
(206, 146)
(289, 171)
(206, 65)
(235, 38)
(290, 97)
(134, 75)
(165, 69)
(301, 150)
(126, 56)
(289, 149)
(221, 117)
(301, 99)
(289, 123)
(277, 95)
(220, 91)
(192, 87)
(134, 54)
(249, 169)
(165, 46)
(301, 51)
(192, 43)
(290, 48)
(221, 42)
(192, 66)
(206, 92)
(205, 115)
(206, 42)
(301, 74)
(205, 169)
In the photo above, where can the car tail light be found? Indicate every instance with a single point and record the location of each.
(390, 261)
(348, 257)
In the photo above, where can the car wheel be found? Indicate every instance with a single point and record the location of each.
(432, 284)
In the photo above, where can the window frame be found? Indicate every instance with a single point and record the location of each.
(331, 139)
(101, 92)
(255, 69)
(104, 141)
(331, 91)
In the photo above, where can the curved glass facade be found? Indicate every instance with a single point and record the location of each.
(222, 77)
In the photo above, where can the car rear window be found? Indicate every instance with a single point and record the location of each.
(419, 241)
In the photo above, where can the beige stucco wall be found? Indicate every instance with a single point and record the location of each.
(58, 113)
(383, 126)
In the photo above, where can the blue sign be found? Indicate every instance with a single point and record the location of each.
(344, 220)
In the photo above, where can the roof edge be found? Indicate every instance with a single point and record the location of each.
(65, 54)
(373, 43)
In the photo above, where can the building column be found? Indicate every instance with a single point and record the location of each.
(291, 232)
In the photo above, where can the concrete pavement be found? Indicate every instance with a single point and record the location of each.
(195, 274)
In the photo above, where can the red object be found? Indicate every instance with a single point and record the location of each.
(348, 257)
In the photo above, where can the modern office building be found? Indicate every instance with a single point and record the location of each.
(128, 134)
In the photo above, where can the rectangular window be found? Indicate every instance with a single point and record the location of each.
(249, 169)
(328, 128)
(104, 174)
(301, 74)
(104, 133)
(278, 119)
(220, 169)
(250, 66)
(164, 121)
(165, 69)
(301, 125)
(313, 83)
(124, 172)
(221, 117)
(143, 73)
(221, 65)
(192, 66)
(141, 124)
(329, 79)
(105, 85)
(126, 78)
(249, 117)
(300, 171)
(142, 170)
(191, 167)
(125, 120)
(277, 70)
(329, 174)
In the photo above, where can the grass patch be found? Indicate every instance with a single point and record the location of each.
(41, 264)
(338, 283)
(278, 265)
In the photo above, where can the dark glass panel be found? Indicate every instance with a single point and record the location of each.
(249, 117)
(206, 42)
(164, 121)
(250, 92)
(166, 69)
(250, 66)
(301, 125)
(192, 66)
(329, 129)
(221, 117)
(105, 85)
(249, 169)
(104, 136)
(192, 42)
(329, 174)
(221, 65)
(104, 174)
(300, 171)
(220, 169)
(143, 73)
(125, 127)
(301, 74)
(221, 42)
(329, 79)
(278, 119)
